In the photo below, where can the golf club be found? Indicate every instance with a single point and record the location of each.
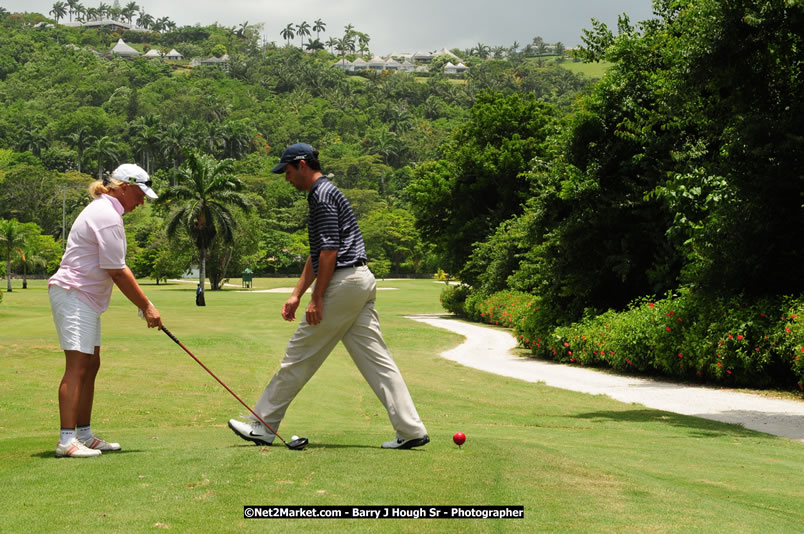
(296, 445)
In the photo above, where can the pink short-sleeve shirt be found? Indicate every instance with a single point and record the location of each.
(97, 242)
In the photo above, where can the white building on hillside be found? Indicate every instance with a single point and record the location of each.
(123, 50)
(344, 64)
(376, 63)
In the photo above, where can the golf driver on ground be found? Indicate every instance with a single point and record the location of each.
(297, 444)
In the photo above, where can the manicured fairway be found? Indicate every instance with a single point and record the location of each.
(577, 463)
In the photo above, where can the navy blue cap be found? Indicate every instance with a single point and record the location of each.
(297, 152)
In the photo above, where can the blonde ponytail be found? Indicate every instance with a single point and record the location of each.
(103, 187)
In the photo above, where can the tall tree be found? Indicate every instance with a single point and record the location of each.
(318, 27)
(145, 20)
(202, 203)
(59, 11)
(73, 6)
(104, 150)
(479, 182)
(303, 30)
(80, 140)
(12, 240)
(288, 33)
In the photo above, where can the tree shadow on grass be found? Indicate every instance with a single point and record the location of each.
(696, 426)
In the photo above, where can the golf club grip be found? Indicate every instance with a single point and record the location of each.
(171, 336)
(179, 343)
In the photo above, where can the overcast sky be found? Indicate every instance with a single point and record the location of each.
(393, 25)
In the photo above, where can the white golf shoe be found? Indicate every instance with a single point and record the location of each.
(95, 443)
(75, 449)
(253, 431)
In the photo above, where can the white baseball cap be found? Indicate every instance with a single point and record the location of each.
(134, 174)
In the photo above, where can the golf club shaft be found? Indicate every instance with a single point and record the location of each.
(176, 340)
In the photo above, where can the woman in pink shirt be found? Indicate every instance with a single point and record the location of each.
(94, 261)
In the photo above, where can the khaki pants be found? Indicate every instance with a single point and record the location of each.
(348, 316)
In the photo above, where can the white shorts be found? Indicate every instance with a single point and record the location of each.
(78, 325)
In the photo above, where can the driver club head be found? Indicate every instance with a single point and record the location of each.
(297, 444)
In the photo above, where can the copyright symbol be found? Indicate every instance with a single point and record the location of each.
(249, 512)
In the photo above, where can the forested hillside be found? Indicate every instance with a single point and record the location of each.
(67, 115)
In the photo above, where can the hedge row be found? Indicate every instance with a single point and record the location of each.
(737, 342)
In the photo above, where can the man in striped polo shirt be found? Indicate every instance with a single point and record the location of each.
(341, 309)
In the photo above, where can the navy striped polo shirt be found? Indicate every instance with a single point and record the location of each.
(332, 225)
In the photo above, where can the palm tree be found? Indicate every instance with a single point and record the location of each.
(80, 139)
(287, 33)
(129, 11)
(162, 23)
(242, 30)
(145, 138)
(3, 12)
(104, 149)
(29, 257)
(72, 5)
(145, 20)
(363, 41)
(32, 138)
(318, 27)
(314, 44)
(175, 139)
(482, 50)
(303, 30)
(59, 11)
(12, 239)
(332, 42)
(202, 202)
(236, 137)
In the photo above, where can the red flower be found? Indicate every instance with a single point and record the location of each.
(739, 336)
(680, 355)
(719, 364)
(730, 337)
(667, 328)
(729, 372)
(566, 344)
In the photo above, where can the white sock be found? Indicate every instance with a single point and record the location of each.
(83, 433)
(66, 435)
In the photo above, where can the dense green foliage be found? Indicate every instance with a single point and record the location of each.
(680, 170)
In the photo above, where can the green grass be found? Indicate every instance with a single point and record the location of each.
(578, 463)
(589, 70)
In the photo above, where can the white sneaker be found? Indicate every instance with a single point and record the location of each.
(252, 431)
(75, 449)
(407, 443)
(98, 444)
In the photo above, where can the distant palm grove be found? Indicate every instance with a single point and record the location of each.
(643, 220)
